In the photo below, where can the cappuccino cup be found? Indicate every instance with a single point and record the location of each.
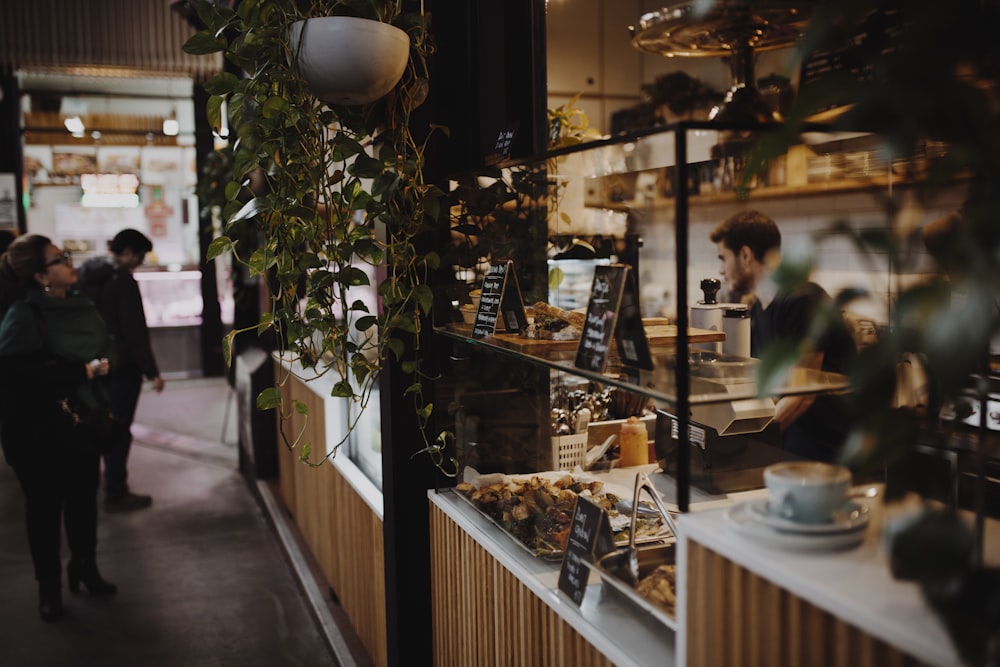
(807, 491)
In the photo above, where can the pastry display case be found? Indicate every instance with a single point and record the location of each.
(517, 396)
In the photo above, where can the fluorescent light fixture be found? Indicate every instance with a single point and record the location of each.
(171, 127)
(109, 190)
(108, 200)
(74, 125)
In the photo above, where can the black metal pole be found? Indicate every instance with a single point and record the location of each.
(683, 379)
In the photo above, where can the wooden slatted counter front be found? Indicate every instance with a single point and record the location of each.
(341, 524)
(751, 599)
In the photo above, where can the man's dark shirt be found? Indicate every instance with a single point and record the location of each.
(821, 430)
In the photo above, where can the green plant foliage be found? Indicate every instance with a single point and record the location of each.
(939, 82)
(330, 194)
(498, 215)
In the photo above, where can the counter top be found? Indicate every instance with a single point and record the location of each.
(626, 637)
(854, 585)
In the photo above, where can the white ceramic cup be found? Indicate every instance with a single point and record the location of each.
(807, 491)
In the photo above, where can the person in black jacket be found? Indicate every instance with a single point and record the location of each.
(115, 292)
(54, 350)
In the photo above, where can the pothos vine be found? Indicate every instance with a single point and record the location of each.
(343, 199)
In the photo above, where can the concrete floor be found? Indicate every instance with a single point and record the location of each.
(203, 578)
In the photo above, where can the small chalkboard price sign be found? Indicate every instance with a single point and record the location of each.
(501, 300)
(589, 538)
(613, 310)
(502, 147)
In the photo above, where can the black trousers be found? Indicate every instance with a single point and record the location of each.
(126, 385)
(60, 487)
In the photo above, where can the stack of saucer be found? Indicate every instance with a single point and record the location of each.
(758, 520)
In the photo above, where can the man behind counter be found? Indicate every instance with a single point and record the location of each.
(749, 245)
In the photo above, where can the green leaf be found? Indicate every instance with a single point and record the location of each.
(221, 84)
(274, 107)
(306, 451)
(425, 297)
(204, 43)
(268, 399)
(352, 277)
(301, 408)
(342, 389)
(227, 348)
(219, 246)
(365, 323)
(249, 210)
(213, 109)
(345, 147)
(366, 167)
(775, 363)
(397, 348)
(260, 261)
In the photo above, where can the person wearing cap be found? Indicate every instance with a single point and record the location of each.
(112, 287)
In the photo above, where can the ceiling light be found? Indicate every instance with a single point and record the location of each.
(74, 125)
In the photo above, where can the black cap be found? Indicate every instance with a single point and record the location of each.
(131, 239)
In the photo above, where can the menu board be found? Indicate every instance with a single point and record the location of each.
(589, 538)
(613, 310)
(502, 147)
(874, 36)
(500, 301)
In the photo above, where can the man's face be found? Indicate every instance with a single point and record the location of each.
(130, 259)
(735, 268)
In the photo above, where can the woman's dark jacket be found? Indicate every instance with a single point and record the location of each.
(45, 344)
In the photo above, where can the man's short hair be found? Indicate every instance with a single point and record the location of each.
(749, 228)
(130, 239)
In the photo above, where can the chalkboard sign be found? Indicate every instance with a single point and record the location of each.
(874, 36)
(589, 538)
(613, 311)
(504, 144)
(633, 346)
(500, 301)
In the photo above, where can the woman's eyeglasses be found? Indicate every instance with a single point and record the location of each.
(65, 258)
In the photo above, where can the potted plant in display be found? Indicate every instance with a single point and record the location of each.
(343, 199)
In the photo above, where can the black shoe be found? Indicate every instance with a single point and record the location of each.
(128, 502)
(50, 606)
(90, 578)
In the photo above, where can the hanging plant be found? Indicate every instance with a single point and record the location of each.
(343, 198)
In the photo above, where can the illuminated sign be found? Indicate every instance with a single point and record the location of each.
(110, 190)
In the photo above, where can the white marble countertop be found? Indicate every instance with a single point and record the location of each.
(854, 585)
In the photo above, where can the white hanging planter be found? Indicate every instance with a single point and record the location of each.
(348, 60)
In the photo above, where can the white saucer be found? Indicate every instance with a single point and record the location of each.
(745, 522)
(852, 516)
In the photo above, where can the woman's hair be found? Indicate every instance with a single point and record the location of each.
(25, 257)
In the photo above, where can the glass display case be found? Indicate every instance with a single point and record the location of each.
(173, 304)
(706, 413)
(171, 298)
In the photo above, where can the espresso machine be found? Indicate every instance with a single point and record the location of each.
(733, 439)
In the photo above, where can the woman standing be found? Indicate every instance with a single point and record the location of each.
(54, 348)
